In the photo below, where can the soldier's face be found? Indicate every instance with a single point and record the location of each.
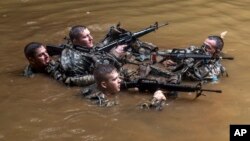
(210, 46)
(85, 39)
(41, 57)
(113, 83)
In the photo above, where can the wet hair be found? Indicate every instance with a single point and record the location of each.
(30, 49)
(219, 41)
(75, 31)
(101, 72)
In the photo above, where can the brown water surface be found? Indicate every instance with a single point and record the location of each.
(39, 108)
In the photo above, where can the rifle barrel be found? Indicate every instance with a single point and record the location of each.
(208, 90)
(228, 58)
(163, 24)
(151, 28)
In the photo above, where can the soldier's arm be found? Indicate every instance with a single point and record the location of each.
(55, 71)
(80, 80)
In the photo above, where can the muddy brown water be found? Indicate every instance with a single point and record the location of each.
(40, 109)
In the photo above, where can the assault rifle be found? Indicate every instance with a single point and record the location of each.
(153, 85)
(129, 37)
(180, 56)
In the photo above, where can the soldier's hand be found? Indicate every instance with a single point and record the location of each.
(158, 95)
(120, 48)
(168, 63)
(119, 51)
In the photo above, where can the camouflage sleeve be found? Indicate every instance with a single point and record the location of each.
(56, 72)
(80, 80)
(53, 69)
(97, 97)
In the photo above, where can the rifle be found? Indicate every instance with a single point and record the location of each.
(128, 37)
(180, 56)
(54, 50)
(153, 85)
(57, 50)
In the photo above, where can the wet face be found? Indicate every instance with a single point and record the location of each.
(210, 46)
(84, 39)
(113, 83)
(41, 58)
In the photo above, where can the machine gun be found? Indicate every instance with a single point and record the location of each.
(128, 37)
(153, 85)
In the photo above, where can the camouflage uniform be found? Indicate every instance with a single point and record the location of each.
(97, 97)
(201, 69)
(76, 63)
(79, 63)
(77, 66)
(54, 69)
(29, 71)
(205, 70)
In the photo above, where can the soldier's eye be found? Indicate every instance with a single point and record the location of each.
(206, 46)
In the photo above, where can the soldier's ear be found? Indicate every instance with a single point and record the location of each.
(104, 84)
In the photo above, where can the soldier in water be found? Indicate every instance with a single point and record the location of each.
(108, 84)
(41, 62)
(204, 69)
(38, 58)
(80, 59)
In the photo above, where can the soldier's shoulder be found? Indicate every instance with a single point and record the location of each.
(97, 97)
(85, 91)
(28, 71)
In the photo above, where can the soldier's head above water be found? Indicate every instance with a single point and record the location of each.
(213, 44)
(80, 35)
(107, 78)
(37, 55)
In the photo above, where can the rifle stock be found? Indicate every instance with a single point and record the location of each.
(54, 50)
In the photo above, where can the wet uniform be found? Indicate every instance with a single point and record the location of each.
(55, 70)
(30, 72)
(203, 69)
(97, 97)
(75, 62)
